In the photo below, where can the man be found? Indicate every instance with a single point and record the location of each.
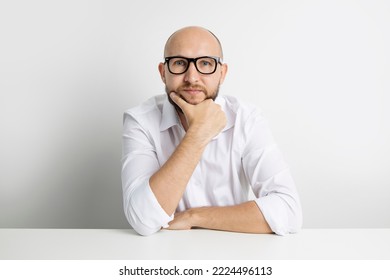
(190, 157)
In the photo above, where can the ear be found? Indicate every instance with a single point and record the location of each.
(224, 69)
(161, 69)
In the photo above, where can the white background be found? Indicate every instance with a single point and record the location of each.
(319, 70)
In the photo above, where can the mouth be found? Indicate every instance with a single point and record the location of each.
(193, 91)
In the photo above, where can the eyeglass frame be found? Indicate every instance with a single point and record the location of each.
(217, 59)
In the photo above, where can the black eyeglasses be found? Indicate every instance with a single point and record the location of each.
(205, 64)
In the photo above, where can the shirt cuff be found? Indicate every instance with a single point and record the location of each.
(148, 210)
(280, 217)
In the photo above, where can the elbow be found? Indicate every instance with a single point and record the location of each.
(144, 231)
(143, 217)
(142, 210)
(295, 215)
(295, 221)
(291, 223)
(139, 226)
(285, 229)
(283, 214)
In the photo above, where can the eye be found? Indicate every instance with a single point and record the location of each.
(205, 63)
(180, 62)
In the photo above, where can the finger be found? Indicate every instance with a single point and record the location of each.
(179, 101)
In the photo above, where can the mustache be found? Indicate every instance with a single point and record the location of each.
(192, 87)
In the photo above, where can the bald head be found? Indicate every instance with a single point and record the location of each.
(193, 39)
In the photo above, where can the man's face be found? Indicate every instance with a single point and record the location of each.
(193, 86)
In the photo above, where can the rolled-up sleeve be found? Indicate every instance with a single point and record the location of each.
(270, 178)
(139, 163)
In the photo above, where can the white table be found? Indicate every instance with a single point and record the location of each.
(119, 244)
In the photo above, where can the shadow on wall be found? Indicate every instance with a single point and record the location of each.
(71, 179)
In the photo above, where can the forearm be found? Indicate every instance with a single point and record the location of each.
(169, 182)
(202, 122)
(245, 217)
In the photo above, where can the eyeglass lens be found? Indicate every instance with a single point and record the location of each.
(205, 65)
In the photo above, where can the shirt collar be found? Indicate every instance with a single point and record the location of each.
(229, 113)
(170, 118)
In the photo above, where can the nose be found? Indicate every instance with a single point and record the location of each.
(191, 75)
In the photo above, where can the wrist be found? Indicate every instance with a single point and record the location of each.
(197, 137)
(195, 217)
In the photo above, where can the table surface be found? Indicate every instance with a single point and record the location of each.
(118, 244)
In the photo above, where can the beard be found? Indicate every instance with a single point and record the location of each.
(212, 96)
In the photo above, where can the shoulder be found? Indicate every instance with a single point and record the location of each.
(146, 115)
(242, 111)
(151, 106)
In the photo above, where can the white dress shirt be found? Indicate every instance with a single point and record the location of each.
(242, 156)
